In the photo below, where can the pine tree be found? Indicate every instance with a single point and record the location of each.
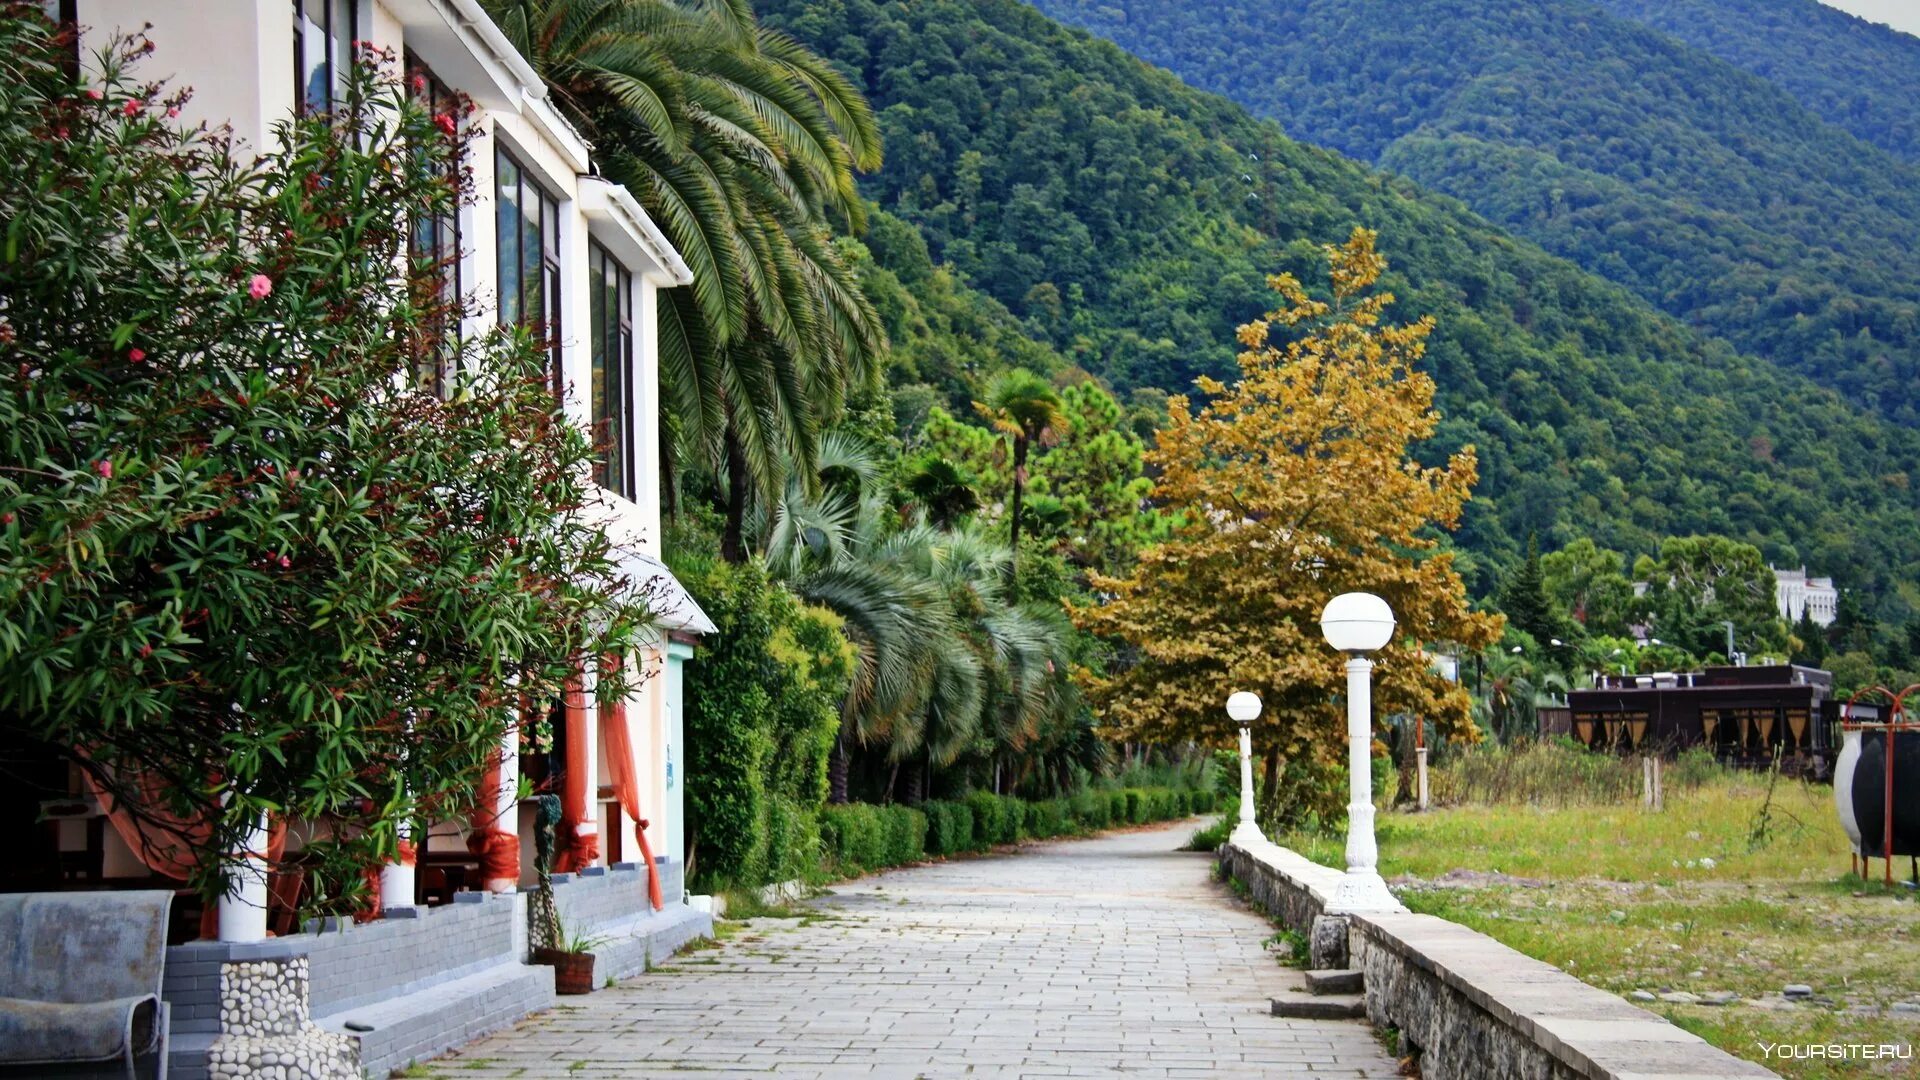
(1524, 597)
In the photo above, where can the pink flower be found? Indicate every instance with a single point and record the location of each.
(173, 111)
(419, 83)
(104, 468)
(260, 286)
(6, 518)
(132, 107)
(445, 123)
(96, 93)
(146, 651)
(285, 562)
(136, 354)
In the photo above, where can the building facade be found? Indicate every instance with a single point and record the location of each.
(546, 243)
(1796, 595)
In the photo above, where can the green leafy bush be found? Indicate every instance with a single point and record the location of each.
(906, 835)
(762, 710)
(949, 827)
(1118, 809)
(860, 837)
(236, 541)
(996, 819)
(854, 836)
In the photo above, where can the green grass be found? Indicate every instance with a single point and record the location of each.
(1682, 899)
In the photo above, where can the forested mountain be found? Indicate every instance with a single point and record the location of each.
(1856, 74)
(1129, 220)
(1709, 191)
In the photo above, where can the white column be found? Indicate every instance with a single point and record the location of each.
(396, 876)
(1362, 889)
(243, 907)
(506, 798)
(1421, 755)
(590, 731)
(1248, 828)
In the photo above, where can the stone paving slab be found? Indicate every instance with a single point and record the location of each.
(1115, 956)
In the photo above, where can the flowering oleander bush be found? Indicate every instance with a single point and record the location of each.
(247, 569)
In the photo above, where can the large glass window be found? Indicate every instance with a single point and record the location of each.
(611, 341)
(435, 242)
(527, 221)
(323, 35)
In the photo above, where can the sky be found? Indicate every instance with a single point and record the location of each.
(1899, 14)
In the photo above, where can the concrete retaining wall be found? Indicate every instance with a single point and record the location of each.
(1476, 1009)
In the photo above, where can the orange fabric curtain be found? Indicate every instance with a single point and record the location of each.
(494, 838)
(168, 850)
(579, 826)
(626, 785)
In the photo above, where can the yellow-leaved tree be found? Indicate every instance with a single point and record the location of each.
(1296, 485)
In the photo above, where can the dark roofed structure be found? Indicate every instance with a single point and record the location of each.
(1743, 715)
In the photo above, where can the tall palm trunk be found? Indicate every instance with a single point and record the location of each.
(733, 541)
(1019, 492)
(837, 772)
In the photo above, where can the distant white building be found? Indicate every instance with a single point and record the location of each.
(1797, 594)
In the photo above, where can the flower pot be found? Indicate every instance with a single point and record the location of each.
(572, 971)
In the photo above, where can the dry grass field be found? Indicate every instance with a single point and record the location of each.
(1726, 891)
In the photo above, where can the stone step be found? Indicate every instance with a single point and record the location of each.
(1332, 981)
(1298, 1006)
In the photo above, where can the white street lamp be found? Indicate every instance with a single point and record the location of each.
(1356, 624)
(1243, 708)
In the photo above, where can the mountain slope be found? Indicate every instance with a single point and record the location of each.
(1705, 189)
(1852, 73)
(1130, 221)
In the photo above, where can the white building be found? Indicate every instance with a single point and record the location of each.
(1796, 594)
(548, 243)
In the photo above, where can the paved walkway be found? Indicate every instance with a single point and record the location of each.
(1112, 956)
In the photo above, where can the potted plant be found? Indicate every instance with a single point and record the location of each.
(572, 962)
(570, 956)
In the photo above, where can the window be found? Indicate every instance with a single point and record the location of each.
(65, 17)
(435, 242)
(611, 339)
(323, 35)
(527, 222)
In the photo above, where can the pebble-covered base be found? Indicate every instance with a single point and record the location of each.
(265, 1030)
(313, 1054)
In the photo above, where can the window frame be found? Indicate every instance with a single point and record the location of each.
(547, 267)
(610, 349)
(338, 51)
(445, 235)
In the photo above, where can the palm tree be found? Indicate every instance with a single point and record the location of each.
(742, 145)
(942, 490)
(1024, 407)
(945, 656)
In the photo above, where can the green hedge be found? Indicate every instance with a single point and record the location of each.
(859, 837)
(949, 827)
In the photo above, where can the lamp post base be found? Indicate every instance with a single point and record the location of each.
(1362, 892)
(1244, 833)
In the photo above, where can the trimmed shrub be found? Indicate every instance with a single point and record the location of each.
(1136, 806)
(1050, 818)
(1203, 802)
(854, 836)
(996, 819)
(1117, 808)
(949, 827)
(906, 834)
(1090, 809)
